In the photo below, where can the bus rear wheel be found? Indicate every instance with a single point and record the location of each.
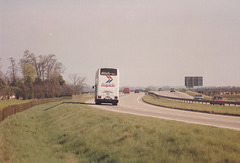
(98, 103)
(114, 103)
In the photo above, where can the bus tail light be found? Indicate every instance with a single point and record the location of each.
(99, 97)
(115, 97)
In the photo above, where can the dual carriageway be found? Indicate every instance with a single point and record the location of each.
(132, 104)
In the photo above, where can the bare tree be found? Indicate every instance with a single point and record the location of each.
(42, 66)
(1, 74)
(13, 70)
(77, 83)
(52, 66)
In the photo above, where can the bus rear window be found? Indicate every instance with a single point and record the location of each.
(108, 71)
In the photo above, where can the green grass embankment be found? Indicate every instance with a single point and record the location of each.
(80, 133)
(217, 109)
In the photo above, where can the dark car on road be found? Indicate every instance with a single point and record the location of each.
(136, 91)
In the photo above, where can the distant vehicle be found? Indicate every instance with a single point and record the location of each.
(159, 89)
(217, 100)
(136, 91)
(107, 86)
(146, 91)
(198, 97)
(126, 90)
(172, 90)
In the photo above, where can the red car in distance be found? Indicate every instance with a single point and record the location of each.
(217, 100)
(172, 90)
(126, 90)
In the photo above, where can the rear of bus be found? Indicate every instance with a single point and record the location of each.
(107, 86)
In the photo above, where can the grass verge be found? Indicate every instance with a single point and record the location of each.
(217, 109)
(80, 133)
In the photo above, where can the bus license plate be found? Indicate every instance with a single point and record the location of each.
(107, 97)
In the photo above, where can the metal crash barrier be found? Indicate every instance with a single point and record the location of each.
(235, 103)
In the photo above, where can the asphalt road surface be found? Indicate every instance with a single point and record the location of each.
(133, 104)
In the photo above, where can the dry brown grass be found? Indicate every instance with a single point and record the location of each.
(231, 97)
(77, 97)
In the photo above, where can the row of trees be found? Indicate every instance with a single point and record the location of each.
(41, 77)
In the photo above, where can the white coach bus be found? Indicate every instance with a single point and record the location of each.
(107, 86)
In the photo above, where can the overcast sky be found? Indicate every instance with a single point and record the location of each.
(152, 42)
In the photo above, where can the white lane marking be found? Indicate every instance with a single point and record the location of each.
(139, 98)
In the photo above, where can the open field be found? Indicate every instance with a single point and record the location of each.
(80, 133)
(5, 103)
(219, 109)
